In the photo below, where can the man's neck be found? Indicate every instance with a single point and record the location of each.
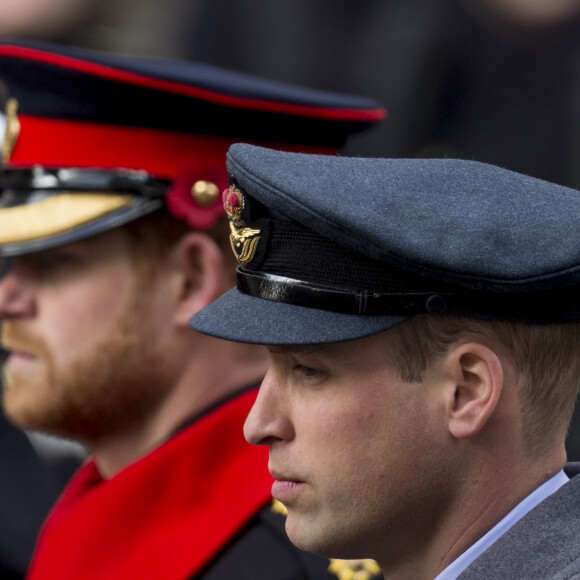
(484, 503)
(200, 388)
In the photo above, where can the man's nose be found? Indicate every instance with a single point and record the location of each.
(268, 420)
(16, 295)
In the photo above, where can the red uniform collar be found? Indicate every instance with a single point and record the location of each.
(165, 516)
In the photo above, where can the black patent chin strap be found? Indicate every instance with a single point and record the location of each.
(301, 293)
(546, 307)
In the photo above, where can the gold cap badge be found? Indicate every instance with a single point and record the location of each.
(244, 241)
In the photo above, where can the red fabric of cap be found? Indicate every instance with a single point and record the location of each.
(183, 158)
(159, 152)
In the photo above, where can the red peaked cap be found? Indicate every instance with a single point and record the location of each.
(172, 119)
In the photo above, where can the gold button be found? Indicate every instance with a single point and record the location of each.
(11, 131)
(204, 192)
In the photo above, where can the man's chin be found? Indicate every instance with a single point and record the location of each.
(23, 404)
(323, 539)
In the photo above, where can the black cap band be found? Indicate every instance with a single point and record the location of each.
(301, 293)
(536, 308)
(75, 179)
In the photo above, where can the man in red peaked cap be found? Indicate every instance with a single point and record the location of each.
(112, 236)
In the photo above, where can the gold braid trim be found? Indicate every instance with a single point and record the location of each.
(55, 214)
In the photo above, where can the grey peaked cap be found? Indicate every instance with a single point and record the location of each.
(474, 227)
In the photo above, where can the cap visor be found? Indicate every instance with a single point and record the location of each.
(242, 318)
(66, 218)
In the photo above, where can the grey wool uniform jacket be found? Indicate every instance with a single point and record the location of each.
(543, 545)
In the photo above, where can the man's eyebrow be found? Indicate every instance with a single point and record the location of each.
(282, 349)
(292, 348)
(297, 349)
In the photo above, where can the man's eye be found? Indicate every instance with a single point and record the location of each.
(53, 263)
(56, 260)
(307, 371)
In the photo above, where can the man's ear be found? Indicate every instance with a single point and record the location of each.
(200, 264)
(474, 391)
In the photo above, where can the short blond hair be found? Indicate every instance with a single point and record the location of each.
(545, 357)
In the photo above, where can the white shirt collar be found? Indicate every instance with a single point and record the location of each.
(527, 504)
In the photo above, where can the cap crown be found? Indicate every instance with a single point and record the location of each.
(459, 221)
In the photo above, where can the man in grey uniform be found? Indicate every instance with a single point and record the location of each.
(422, 322)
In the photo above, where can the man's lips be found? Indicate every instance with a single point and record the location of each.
(19, 357)
(285, 488)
